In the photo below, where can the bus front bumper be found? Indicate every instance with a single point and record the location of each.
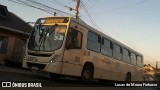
(55, 67)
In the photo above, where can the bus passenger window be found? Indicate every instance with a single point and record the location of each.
(74, 39)
(117, 52)
(106, 47)
(93, 42)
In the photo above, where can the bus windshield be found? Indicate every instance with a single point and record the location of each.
(47, 38)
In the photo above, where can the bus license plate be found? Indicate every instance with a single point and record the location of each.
(31, 59)
(34, 68)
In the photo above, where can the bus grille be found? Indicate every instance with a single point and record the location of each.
(40, 55)
(40, 66)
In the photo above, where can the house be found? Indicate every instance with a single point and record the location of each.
(14, 33)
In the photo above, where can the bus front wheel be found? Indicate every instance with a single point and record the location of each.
(87, 73)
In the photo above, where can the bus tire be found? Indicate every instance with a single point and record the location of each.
(87, 73)
(55, 77)
(128, 77)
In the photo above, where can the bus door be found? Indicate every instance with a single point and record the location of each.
(73, 53)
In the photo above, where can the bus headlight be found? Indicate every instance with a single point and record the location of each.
(25, 57)
(54, 58)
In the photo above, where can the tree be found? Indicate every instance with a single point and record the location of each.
(157, 75)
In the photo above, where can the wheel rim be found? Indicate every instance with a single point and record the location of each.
(87, 74)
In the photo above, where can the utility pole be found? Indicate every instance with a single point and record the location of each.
(77, 9)
(156, 65)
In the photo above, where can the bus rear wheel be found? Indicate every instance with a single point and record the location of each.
(55, 77)
(87, 73)
(128, 77)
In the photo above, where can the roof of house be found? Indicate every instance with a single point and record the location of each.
(11, 22)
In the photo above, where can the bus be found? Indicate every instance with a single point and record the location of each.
(66, 46)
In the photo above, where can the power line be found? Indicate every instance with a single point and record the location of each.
(58, 2)
(86, 2)
(124, 7)
(55, 1)
(69, 2)
(93, 5)
(38, 3)
(40, 6)
(90, 17)
(21, 3)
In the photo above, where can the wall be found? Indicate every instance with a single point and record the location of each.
(12, 37)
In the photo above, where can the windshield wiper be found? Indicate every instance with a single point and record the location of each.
(44, 36)
(53, 28)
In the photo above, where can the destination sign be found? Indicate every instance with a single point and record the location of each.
(52, 20)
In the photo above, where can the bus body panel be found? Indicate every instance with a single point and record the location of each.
(72, 62)
(102, 65)
(73, 58)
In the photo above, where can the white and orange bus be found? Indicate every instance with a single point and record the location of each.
(65, 46)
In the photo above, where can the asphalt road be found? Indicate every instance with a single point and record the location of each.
(62, 84)
(45, 79)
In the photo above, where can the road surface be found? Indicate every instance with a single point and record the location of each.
(62, 84)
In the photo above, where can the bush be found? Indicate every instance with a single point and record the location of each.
(157, 75)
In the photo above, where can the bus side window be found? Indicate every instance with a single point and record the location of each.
(74, 39)
(117, 52)
(133, 58)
